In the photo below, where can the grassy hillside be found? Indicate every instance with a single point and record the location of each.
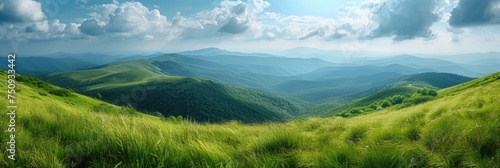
(433, 80)
(365, 90)
(146, 87)
(460, 129)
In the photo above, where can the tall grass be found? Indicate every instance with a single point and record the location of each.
(458, 130)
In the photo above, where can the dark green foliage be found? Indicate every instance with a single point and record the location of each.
(37, 83)
(421, 96)
(377, 105)
(385, 104)
(158, 114)
(34, 82)
(418, 99)
(207, 101)
(102, 108)
(397, 99)
(398, 93)
(61, 92)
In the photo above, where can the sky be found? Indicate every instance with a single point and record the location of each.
(123, 26)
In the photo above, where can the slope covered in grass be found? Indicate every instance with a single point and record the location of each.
(456, 130)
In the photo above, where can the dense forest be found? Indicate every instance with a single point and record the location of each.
(206, 101)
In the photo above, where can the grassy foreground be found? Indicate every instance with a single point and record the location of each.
(460, 129)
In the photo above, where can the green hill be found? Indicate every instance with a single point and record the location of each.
(145, 86)
(408, 85)
(365, 90)
(432, 80)
(458, 129)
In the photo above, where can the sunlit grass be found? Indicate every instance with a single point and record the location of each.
(454, 131)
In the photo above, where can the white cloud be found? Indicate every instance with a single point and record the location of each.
(242, 20)
(127, 19)
(15, 11)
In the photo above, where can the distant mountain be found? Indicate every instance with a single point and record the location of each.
(343, 88)
(135, 57)
(437, 65)
(292, 66)
(351, 54)
(217, 52)
(250, 75)
(485, 63)
(363, 70)
(99, 59)
(60, 62)
(46, 65)
(351, 86)
(487, 58)
(144, 84)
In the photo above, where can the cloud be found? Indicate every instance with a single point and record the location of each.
(128, 19)
(243, 20)
(15, 11)
(239, 21)
(235, 26)
(42, 30)
(475, 13)
(406, 19)
(91, 27)
(456, 34)
(42, 26)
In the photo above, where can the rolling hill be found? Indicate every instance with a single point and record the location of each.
(364, 90)
(458, 129)
(145, 85)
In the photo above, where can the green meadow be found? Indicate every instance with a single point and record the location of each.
(459, 128)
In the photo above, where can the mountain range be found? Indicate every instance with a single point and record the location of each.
(216, 87)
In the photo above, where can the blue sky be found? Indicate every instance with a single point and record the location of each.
(120, 26)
